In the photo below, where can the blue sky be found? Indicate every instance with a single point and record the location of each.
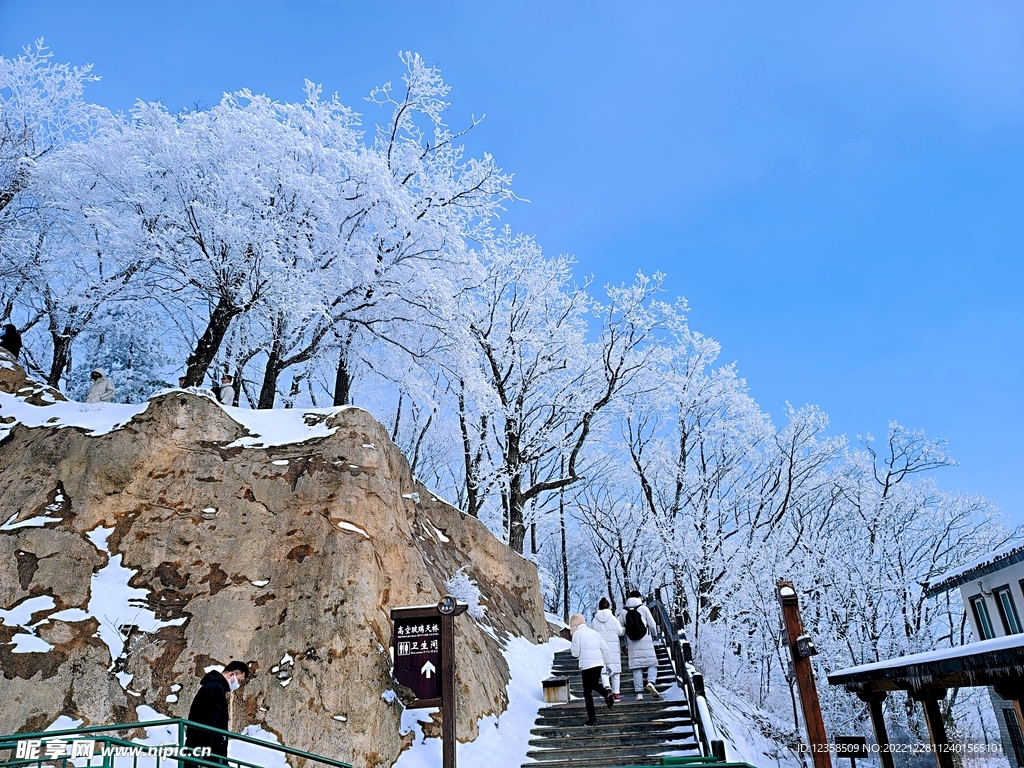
(837, 189)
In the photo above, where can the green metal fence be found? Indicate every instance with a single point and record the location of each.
(99, 746)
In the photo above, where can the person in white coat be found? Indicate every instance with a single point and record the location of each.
(593, 653)
(102, 389)
(641, 653)
(608, 627)
(227, 390)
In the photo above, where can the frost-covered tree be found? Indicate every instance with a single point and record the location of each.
(41, 108)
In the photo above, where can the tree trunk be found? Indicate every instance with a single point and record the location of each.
(268, 391)
(61, 358)
(209, 343)
(565, 561)
(516, 526)
(343, 380)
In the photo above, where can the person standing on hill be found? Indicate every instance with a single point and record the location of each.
(593, 653)
(227, 390)
(102, 389)
(608, 627)
(639, 624)
(10, 340)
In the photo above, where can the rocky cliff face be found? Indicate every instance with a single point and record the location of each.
(148, 543)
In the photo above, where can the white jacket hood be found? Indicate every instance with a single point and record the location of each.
(634, 602)
(100, 371)
(603, 615)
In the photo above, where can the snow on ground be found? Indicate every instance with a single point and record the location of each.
(503, 739)
(736, 721)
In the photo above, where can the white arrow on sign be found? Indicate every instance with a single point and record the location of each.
(428, 669)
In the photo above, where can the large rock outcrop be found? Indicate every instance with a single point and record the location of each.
(289, 557)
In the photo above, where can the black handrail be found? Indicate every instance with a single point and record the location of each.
(691, 681)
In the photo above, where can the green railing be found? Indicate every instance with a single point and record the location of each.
(31, 749)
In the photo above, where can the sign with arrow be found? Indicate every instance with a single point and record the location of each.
(417, 643)
(424, 648)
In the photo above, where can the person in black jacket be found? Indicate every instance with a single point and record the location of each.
(210, 707)
(10, 340)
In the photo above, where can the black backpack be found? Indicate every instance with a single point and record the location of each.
(636, 627)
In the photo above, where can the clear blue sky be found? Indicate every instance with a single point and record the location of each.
(837, 188)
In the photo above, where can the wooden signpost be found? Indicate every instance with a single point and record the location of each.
(424, 653)
(801, 649)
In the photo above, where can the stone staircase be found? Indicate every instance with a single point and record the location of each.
(632, 733)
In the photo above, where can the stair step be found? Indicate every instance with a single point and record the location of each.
(571, 728)
(618, 716)
(613, 755)
(594, 737)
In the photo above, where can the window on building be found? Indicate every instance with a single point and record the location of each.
(981, 618)
(1007, 610)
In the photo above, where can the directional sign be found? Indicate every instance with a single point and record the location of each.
(418, 655)
(424, 645)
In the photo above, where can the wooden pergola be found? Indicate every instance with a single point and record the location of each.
(927, 676)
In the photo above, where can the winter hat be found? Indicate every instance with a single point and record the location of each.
(576, 620)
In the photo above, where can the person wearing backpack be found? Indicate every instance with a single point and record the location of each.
(639, 624)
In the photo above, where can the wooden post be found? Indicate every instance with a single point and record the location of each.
(874, 701)
(930, 698)
(816, 737)
(448, 709)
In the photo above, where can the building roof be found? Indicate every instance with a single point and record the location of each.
(988, 662)
(981, 566)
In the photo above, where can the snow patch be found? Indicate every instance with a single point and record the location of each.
(95, 419)
(260, 583)
(437, 532)
(463, 589)
(255, 754)
(346, 526)
(25, 643)
(282, 426)
(31, 522)
(281, 463)
(115, 604)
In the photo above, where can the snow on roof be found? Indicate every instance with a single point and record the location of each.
(993, 561)
(943, 654)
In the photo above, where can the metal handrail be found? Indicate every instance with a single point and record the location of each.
(101, 731)
(712, 745)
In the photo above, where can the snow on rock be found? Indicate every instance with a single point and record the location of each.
(282, 426)
(32, 522)
(347, 526)
(114, 603)
(25, 643)
(95, 419)
(463, 589)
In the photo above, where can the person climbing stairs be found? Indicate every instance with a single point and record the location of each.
(630, 733)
